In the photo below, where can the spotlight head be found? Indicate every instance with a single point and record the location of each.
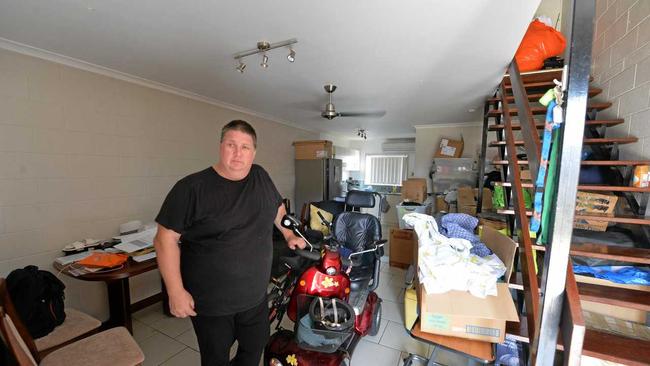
(265, 61)
(241, 67)
(292, 55)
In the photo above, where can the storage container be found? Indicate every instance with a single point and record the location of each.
(313, 149)
(404, 209)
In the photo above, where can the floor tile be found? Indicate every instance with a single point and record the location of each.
(189, 339)
(388, 292)
(384, 277)
(150, 314)
(159, 348)
(377, 338)
(398, 280)
(286, 323)
(141, 331)
(396, 337)
(395, 271)
(369, 353)
(392, 311)
(187, 357)
(172, 326)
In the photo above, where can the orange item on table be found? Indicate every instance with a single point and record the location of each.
(103, 260)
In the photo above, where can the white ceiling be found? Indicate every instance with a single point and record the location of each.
(424, 62)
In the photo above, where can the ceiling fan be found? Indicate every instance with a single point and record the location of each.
(331, 113)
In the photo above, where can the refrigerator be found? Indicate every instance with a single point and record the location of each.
(317, 180)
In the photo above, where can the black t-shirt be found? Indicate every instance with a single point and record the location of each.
(226, 237)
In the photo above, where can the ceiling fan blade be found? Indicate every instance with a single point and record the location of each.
(362, 114)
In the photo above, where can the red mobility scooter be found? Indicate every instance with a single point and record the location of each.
(328, 292)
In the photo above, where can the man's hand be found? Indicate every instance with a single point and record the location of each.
(295, 242)
(181, 304)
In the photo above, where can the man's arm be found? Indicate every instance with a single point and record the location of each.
(293, 241)
(168, 255)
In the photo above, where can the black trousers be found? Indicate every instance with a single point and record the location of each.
(216, 334)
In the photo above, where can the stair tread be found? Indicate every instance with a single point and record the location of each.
(598, 344)
(590, 187)
(621, 219)
(542, 110)
(616, 348)
(538, 75)
(535, 96)
(627, 298)
(540, 125)
(609, 252)
(587, 141)
(587, 162)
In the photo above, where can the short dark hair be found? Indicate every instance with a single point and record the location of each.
(241, 126)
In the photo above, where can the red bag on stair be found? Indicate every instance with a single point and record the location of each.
(540, 42)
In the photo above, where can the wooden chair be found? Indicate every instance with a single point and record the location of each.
(76, 325)
(111, 347)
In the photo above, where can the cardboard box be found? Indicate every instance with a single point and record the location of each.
(402, 242)
(594, 203)
(460, 314)
(441, 204)
(496, 225)
(467, 198)
(313, 149)
(414, 190)
(450, 148)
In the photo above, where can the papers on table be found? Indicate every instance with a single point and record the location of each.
(65, 260)
(138, 241)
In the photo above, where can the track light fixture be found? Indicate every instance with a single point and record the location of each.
(362, 133)
(241, 67)
(265, 61)
(263, 47)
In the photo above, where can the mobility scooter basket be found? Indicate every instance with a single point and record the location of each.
(324, 324)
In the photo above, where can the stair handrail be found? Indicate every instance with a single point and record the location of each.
(526, 119)
(578, 17)
(529, 275)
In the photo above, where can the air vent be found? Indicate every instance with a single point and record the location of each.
(399, 145)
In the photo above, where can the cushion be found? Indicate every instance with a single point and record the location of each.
(111, 347)
(76, 324)
(315, 222)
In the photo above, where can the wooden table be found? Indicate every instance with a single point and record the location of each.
(119, 297)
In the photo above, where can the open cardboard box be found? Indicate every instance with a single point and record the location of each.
(460, 314)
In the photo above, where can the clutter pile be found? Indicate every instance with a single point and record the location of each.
(447, 263)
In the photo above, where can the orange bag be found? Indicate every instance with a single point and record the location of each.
(103, 260)
(540, 42)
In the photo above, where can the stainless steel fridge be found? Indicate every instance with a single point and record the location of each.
(317, 180)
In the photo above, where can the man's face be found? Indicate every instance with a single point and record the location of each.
(237, 153)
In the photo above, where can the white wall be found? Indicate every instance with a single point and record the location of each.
(81, 153)
(551, 9)
(621, 67)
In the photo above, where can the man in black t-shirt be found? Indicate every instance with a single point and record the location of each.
(223, 218)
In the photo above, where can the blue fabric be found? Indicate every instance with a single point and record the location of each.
(460, 225)
(618, 274)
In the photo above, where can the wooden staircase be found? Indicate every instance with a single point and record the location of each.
(497, 120)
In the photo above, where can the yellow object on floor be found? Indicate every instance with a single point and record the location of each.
(410, 307)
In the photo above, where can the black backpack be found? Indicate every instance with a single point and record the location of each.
(38, 298)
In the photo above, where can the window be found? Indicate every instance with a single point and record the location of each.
(387, 170)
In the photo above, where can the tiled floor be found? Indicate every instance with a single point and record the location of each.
(171, 341)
